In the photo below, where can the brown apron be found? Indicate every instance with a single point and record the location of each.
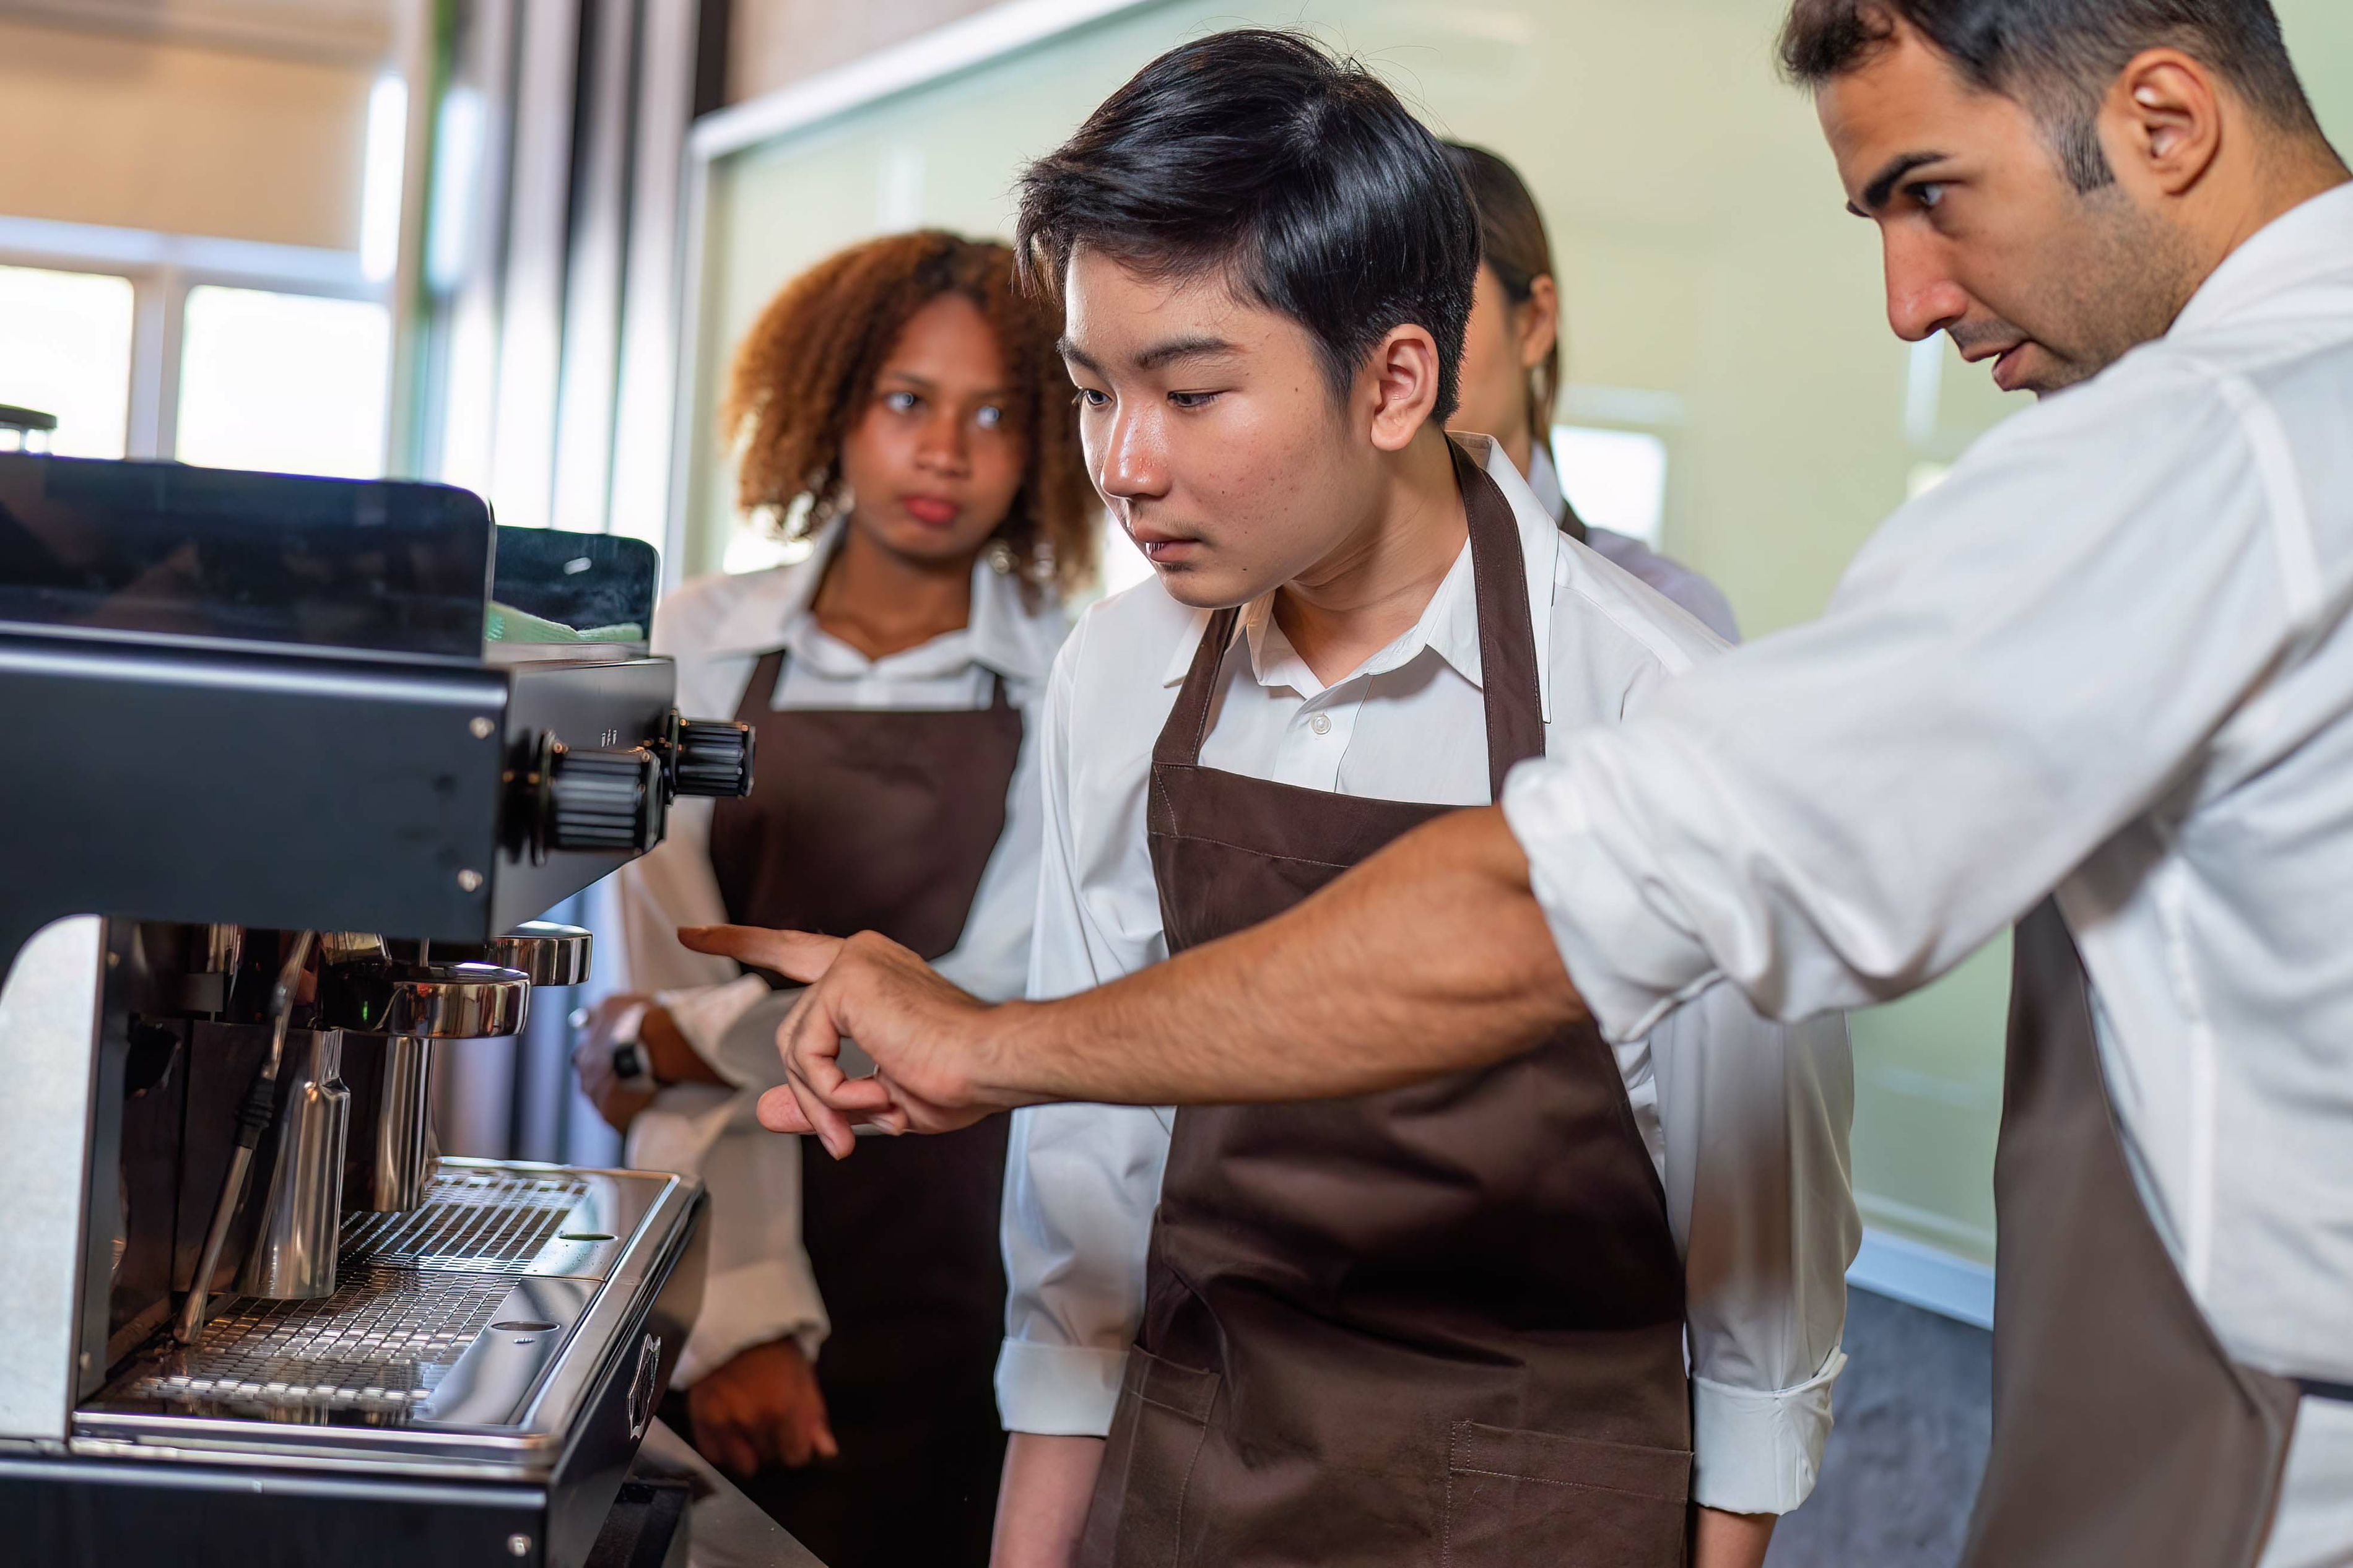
(878, 819)
(2122, 1435)
(1442, 1325)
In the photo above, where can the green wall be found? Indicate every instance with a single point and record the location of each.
(1718, 295)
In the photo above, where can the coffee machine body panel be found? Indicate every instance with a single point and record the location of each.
(188, 796)
(49, 1019)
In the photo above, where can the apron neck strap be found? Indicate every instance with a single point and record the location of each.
(1179, 744)
(1508, 678)
(760, 691)
(1507, 643)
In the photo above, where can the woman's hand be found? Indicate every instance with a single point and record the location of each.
(762, 1408)
(592, 1058)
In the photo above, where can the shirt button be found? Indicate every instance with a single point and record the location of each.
(1320, 723)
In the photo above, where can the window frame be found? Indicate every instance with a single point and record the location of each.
(162, 268)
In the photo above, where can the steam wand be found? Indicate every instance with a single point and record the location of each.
(253, 1119)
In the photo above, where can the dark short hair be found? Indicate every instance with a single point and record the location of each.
(1296, 172)
(2060, 57)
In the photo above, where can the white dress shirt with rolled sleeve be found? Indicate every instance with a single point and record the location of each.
(760, 1288)
(1746, 1120)
(2110, 656)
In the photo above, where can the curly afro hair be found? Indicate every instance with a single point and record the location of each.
(806, 369)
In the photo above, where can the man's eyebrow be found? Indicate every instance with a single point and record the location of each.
(1077, 356)
(1883, 185)
(1199, 346)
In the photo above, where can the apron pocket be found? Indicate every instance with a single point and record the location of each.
(1516, 1498)
(1137, 1517)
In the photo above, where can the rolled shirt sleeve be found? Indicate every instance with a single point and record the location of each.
(2015, 665)
(1754, 1117)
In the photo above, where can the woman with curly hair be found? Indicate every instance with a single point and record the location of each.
(902, 408)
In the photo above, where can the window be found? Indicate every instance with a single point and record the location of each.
(64, 349)
(293, 383)
(1616, 479)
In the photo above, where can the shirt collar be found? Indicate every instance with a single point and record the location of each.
(2306, 242)
(1449, 625)
(1544, 483)
(1007, 633)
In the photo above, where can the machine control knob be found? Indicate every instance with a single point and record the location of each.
(710, 757)
(602, 802)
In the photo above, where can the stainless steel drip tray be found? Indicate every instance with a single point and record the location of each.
(463, 1335)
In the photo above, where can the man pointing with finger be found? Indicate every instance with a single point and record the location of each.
(2099, 684)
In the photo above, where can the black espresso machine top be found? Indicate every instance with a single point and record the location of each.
(323, 704)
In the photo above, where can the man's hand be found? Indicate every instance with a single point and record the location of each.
(762, 1408)
(1431, 957)
(923, 1033)
(592, 1058)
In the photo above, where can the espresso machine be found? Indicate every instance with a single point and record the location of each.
(278, 814)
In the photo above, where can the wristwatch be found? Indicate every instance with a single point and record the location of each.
(633, 1064)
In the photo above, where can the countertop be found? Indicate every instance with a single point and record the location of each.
(726, 1529)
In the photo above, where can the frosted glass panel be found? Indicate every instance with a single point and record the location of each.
(284, 382)
(1708, 271)
(64, 349)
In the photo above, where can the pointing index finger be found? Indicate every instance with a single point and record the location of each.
(794, 955)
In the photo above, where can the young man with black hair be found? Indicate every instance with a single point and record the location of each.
(1394, 1327)
(2099, 683)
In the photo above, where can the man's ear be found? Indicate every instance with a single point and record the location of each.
(2163, 122)
(1402, 371)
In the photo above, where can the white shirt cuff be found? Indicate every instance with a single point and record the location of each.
(1632, 967)
(1057, 1391)
(1761, 1450)
(764, 1300)
(704, 1014)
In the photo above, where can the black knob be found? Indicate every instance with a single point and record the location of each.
(608, 802)
(710, 757)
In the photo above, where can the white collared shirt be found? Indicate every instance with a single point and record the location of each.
(2110, 656)
(1749, 1132)
(717, 628)
(1672, 578)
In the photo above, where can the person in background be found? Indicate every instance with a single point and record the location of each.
(1511, 373)
(900, 408)
(1331, 1333)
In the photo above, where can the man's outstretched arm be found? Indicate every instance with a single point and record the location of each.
(1431, 957)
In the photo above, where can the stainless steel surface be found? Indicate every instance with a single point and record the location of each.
(221, 946)
(352, 947)
(294, 1253)
(551, 955)
(427, 1001)
(380, 1343)
(475, 1217)
(400, 1151)
(726, 1529)
(191, 1317)
(48, 1039)
(491, 1382)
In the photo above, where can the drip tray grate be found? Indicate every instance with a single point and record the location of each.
(379, 1343)
(469, 1219)
(414, 1291)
